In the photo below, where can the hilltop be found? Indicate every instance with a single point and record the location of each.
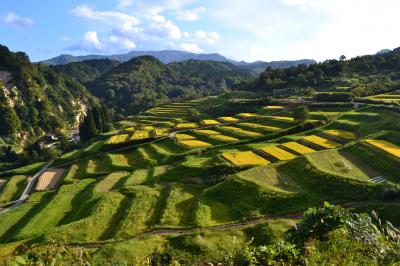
(170, 56)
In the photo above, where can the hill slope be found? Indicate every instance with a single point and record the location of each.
(35, 99)
(144, 82)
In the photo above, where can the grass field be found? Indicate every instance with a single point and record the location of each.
(13, 188)
(241, 131)
(341, 134)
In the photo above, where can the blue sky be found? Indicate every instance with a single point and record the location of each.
(239, 29)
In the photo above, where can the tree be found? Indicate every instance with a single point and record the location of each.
(87, 129)
(342, 58)
(300, 114)
(309, 92)
(193, 115)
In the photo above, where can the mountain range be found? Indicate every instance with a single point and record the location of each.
(169, 56)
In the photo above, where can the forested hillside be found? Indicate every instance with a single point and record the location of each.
(35, 99)
(359, 76)
(86, 71)
(144, 82)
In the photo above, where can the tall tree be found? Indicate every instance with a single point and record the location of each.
(87, 129)
(9, 121)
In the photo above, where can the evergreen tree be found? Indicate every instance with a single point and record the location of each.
(87, 129)
(98, 118)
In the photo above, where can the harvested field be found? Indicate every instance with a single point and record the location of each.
(245, 158)
(49, 179)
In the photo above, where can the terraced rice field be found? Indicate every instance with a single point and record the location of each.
(181, 137)
(223, 138)
(13, 188)
(118, 139)
(280, 118)
(245, 158)
(186, 125)
(253, 125)
(242, 132)
(228, 119)
(273, 107)
(140, 134)
(325, 143)
(247, 115)
(297, 147)
(194, 143)
(209, 122)
(278, 153)
(109, 182)
(207, 132)
(49, 179)
(2, 183)
(341, 134)
(161, 131)
(386, 146)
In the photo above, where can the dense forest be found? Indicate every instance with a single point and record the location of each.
(144, 82)
(359, 76)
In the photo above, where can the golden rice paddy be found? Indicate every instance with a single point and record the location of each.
(278, 153)
(117, 139)
(326, 143)
(209, 122)
(341, 134)
(386, 146)
(228, 119)
(297, 147)
(184, 137)
(244, 158)
(193, 143)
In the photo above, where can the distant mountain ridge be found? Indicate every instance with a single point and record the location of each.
(169, 56)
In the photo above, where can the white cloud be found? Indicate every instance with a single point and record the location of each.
(191, 47)
(207, 37)
(146, 5)
(190, 14)
(16, 21)
(110, 17)
(91, 42)
(160, 27)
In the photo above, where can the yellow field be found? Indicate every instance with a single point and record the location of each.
(386, 146)
(184, 137)
(224, 138)
(130, 129)
(326, 143)
(242, 131)
(273, 107)
(161, 131)
(49, 179)
(140, 134)
(228, 119)
(247, 115)
(207, 132)
(294, 146)
(271, 128)
(195, 143)
(117, 139)
(281, 118)
(186, 125)
(278, 153)
(341, 134)
(245, 158)
(209, 122)
(148, 128)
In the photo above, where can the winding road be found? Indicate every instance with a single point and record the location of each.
(27, 191)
